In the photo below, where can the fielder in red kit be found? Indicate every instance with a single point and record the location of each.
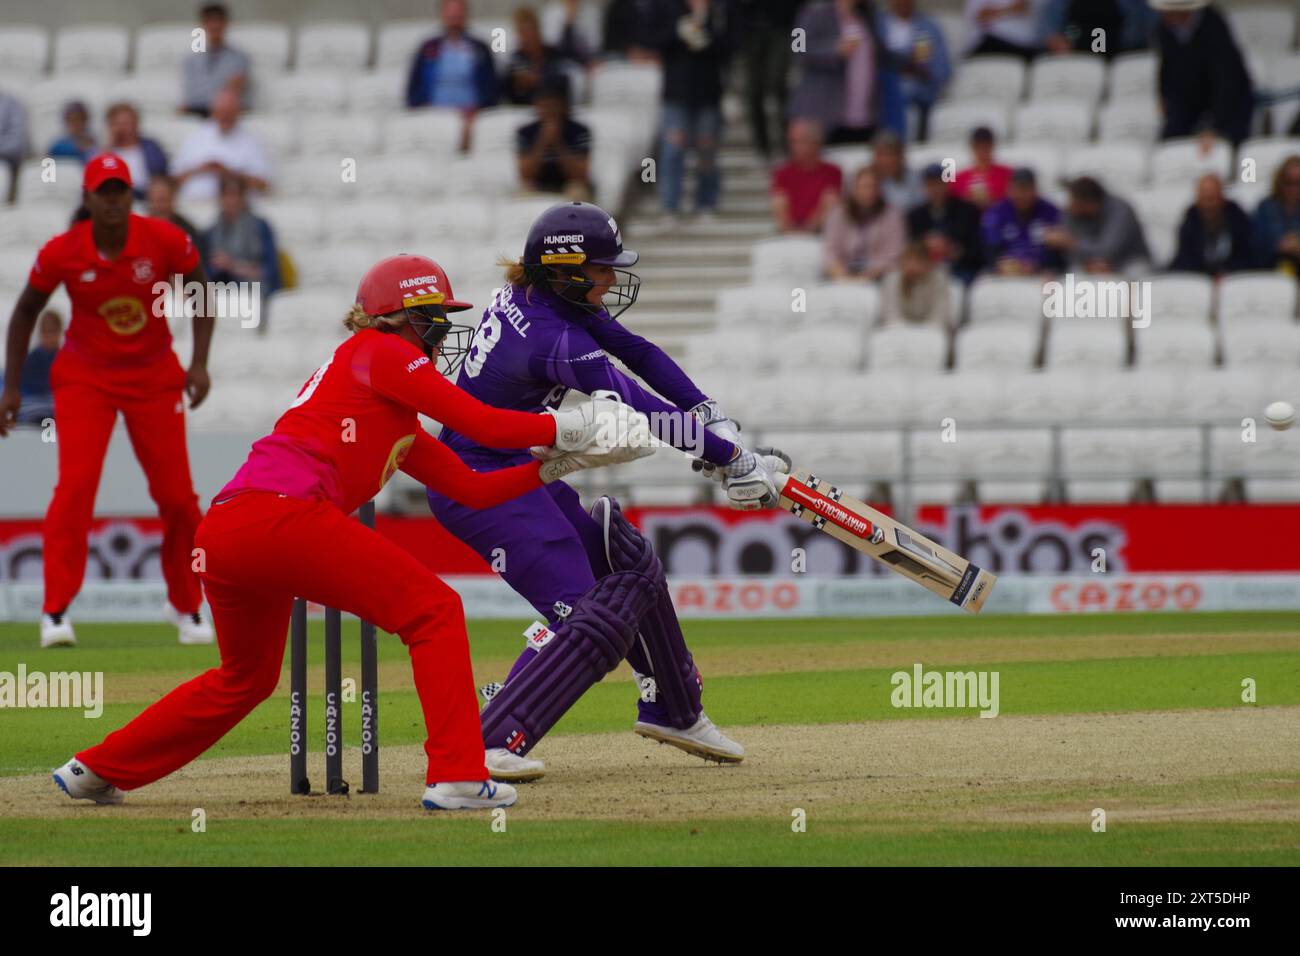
(117, 358)
(281, 528)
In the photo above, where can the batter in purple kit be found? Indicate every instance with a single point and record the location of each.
(593, 577)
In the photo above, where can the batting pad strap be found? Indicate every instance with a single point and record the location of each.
(587, 645)
(674, 679)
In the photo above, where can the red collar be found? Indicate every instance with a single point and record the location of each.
(131, 248)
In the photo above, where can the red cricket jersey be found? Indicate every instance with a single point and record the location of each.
(113, 299)
(355, 422)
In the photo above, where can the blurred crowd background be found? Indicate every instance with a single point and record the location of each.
(846, 209)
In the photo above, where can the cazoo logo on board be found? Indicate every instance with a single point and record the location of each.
(701, 543)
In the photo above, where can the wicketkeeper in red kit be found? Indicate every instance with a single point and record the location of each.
(117, 358)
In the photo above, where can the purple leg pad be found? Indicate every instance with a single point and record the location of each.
(670, 684)
(587, 645)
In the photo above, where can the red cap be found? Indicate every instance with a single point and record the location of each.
(403, 281)
(100, 169)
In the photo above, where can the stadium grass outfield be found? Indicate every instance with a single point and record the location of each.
(1139, 715)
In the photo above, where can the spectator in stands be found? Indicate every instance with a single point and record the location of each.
(454, 70)
(241, 246)
(1004, 26)
(947, 226)
(161, 203)
(554, 151)
(532, 62)
(1277, 221)
(1014, 228)
(918, 53)
(917, 293)
(864, 235)
(573, 28)
(695, 38)
(1100, 233)
(221, 146)
(985, 181)
(1215, 235)
(806, 188)
(217, 68)
(34, 385)
(143, 156)
(77, 141)
(837, 71)
(1203, 78)
(626, 26)
(1070, 25)
(13, 138)
(767, 57)
(901, 186)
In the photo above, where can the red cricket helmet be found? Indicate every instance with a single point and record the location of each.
(417, 287)
(405, 281)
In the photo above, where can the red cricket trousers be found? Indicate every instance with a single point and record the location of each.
(87, 399)
(261, 550)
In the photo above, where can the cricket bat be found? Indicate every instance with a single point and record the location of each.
(890, 542)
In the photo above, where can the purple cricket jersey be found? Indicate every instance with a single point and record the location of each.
(532, 346)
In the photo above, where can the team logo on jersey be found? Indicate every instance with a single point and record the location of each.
(142, 270)
(401, 448)
(125, 314)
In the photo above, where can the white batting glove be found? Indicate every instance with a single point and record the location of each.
(600, 425)
(557, 465)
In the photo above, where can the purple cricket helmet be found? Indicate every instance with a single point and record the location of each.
(567, 236)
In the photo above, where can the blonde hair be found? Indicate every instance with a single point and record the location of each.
(515, 274)
(357, 319)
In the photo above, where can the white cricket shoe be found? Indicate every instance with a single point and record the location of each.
(512, 768)
(56, 631)
(81, 783)
(469, 795)
(191, 628)
(702, 739)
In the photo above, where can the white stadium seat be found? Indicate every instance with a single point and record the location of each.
(996, 346)
(1181, 297)
(1178, 345)
(63, 187)
(46, 97)
(161, 47)
(467, 217)
(989, 77)
(1120, 167)
(170, 131)
(1009, 464)
(626, 84)
(317, 177)
(1250, 296)
(1133, 76)
(844, 302)
(955, 119)
(1134, 120)
(953, 28)
(1005, 299)
(848, 459)
(794, 259)
(852, 158)
(1099, 463)
(341, 262)
(754, 306)
(102, 48)
(1075, 76)
(375, 94)
(727, 352)
(904, 347)
(397, 41)
(832, 348)
(308, 310)
(1085, 343)
(342, 45)
(425, 132)
(152, 93)
(1268, 152)
(24, 49)
(1225, 395)
(1181, 161)
(1263, 28)
(1257, 346)
(495, 128)
(1161, 212)
(277, 132)
(265, 42)
(1043, 157)
(1054, 121)
(303, 93)
(1270, 455)
(344, 135)
(1283, 74)
(370, 221)
(298, 224)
